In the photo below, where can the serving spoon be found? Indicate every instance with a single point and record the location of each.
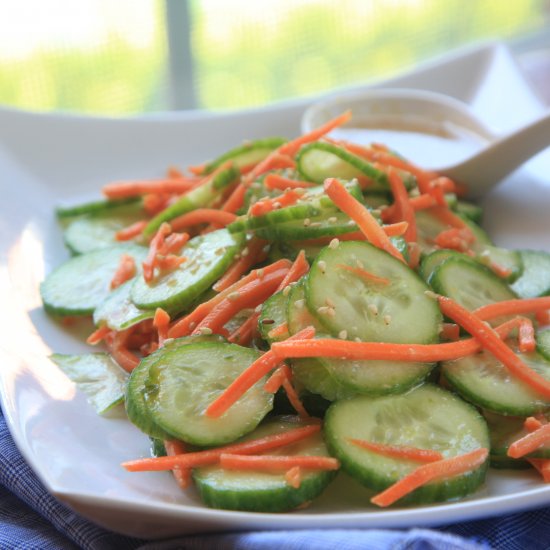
(490, 158)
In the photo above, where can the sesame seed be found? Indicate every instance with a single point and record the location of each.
(300, 303)
(234, 295)
(245, 252)
(430, 294)
(376, 211)
(277, 205)
(286, 290)
(357, 339)
(307, 222)
(360, 264)
(315, 224)
(192, 325)
(322, 310)
(373, 308)
(387, 319)
(329, 302)
(322, 266)
(205, 331)
(343, 334)
(335, 243)
(258, 309)
(260, 273)
(332, 219)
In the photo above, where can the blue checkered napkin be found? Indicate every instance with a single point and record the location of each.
(31, 519)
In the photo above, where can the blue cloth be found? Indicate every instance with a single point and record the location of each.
(32, 519)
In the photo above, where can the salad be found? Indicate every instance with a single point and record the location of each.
(292, 309)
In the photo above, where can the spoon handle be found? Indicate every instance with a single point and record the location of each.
(502, 157)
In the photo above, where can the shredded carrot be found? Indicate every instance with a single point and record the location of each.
(124, 189)
(276, 181)
(455, 238)
(292, 147)
(363, 274)
(154, 203)
(543, 466)
(267, 205)
(421, 202)
(252, 254)
(291, 392)
(500, 271)
(117, 346)
(278, 331)
(445, 215)
(531, 424)
(450, 332)
(361, 216)
(235, 200)
(513, 307)
(185, 325)
(230, 461)
(530, 442)
(132, 231)
(405, 211)
(203, 215)
(98, 335)
(249, 296)
(174, 172)
(161, 321)
(543, 317)
(173, 243)
(156, 243)
(255, 372)
(399, 451)
(492, 343)
(448, 467)
(212, 456)
(297, 270)
(275, 381)
(197, 170)
(294, 477)
(414, 254)
(175, 447)
(126, 270)
(169, 262)
(276, 160)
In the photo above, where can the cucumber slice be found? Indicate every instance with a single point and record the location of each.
(427, 418)
(87, 233)
(208, 256)
(469, 283)
(263, 491)
(272, 315)
(80, 284)
(186, 380)
(96, 375)
(399, 311)
(139, 387)
(470, 210)
(250, 152)
(198, 197)
(435, 258)
(543, 342)
(484, 381)
(319, 160)
(535, 279)
(118, 311)
(96, 207)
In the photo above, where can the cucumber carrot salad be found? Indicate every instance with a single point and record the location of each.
(293, 309)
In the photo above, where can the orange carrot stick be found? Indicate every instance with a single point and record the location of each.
(278, 331)
(235, 200)
(543, 466)
(276, 181)
(156, 243)
(202, 215)
(230, 461)
(131, 231)
(531, 424)
(161, 321)
(361, 216)
(292, 395)
(98, 335)
(512, 307)
(367, 276)
(275, 381)
(175, 447)
(450, 332)
(294, 477)
(297, 270)
(432, 471)
(267, 205)
(530, 442)
(212, 456)
(251, 255)
(405, 211)
(399, 451)
(125, 271)
(255, 372)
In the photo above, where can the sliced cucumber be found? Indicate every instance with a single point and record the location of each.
(246, 154)
(273, 314)
(543, 342)
(80, 284)
(535, 279)
(426, 418)
(96, 375)
(319, 160)
(397, 311)
(435, 258)
(117, 310)
(484, 381)
(96, 207)
(470, 210)
(469, 283)
(207, 256)
(186, 380)
(87, 233)
(264, 491)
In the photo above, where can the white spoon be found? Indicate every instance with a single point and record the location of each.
(425, 126)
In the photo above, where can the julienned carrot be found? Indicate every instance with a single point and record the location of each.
(184, 326)
(248, 296)
(148, 264)
(98, 335)
(124, 189)
(294, 477)
(455, 238)
(531, 424)
(298, 269)
(212, 456)
(274, 161)
(399, 451)
(255, 372)
(182, 475)
(161, 321)
(543, 466)
(445, 215)
(276, 181)
(131, 231)
(291, 393)
(230, 461)
(116, 343)
(513, 307)
(203, 215)
(448, 467)
(421, 202)
(278, 331)
(264, 206)
(292, 147)
(363, 274)
(275, 381)
(361, 216)
(125, 271)
(450, 332)
(489, 340)
(530, 442)
(235, 200)
(405, 210)
(252, 254)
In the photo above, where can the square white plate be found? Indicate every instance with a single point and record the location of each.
(46, 160)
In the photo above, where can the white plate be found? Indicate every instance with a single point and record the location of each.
(46, 160)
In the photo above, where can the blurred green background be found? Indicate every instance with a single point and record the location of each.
(105, 57)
